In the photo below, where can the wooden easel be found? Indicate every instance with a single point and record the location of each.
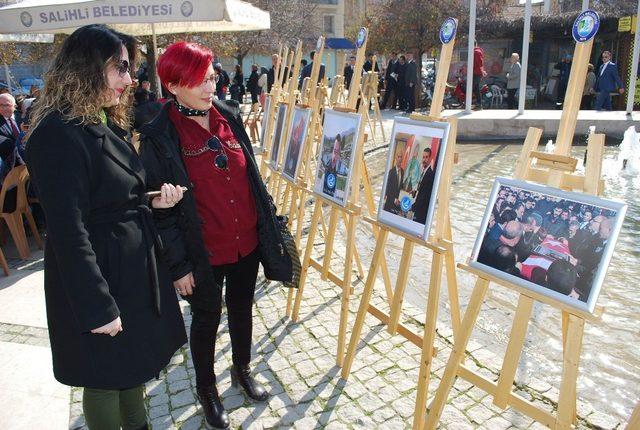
(556, 170)
(370, 96)
(349, 216)
(440, 243)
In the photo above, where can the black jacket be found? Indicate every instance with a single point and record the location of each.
(179, 227)
(8, 148)
(100, 258)
(423, 197)
(252, 82)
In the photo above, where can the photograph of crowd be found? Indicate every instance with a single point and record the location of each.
(551, 241)
(266, 117)
(297, 136)
(277, 135)
(412, 175)
(335, 160)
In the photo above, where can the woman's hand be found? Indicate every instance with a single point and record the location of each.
(112, 328)
(169, 196)
(185, 285)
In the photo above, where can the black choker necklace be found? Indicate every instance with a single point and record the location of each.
(188, 111)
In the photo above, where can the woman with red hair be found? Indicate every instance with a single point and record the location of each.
(225, 224)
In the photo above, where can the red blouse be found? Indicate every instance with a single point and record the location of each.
(224, 200)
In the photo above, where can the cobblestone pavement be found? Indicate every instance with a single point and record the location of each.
(297, 363)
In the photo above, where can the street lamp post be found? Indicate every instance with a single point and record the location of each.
(472, 38)
(525, 57)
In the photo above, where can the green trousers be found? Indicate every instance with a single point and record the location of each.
(114, 409)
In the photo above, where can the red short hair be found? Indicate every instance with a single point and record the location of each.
(184, 64)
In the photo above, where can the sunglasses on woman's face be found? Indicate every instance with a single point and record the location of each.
(221, 161)
(122, 67)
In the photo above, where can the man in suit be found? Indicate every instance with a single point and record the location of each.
(401, 70)
(306, 71)
(607, 81)
(348, 72)
(10, 137)
(368, 65)
(271, 73)
(411, 80)
(391, 82)
(392, 191)
(425, 188)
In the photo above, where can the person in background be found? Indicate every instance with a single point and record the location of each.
(478, 73)
(306, 71)
(564, 66)
(391, 83)
(10, 135)
(369, 66)
(222, 82)
(348, 72)
(411, 80)
(114, 320)
(589, 89)
(252, 84)
(607, 81)
(401, 70)
(513, 80)
(237, 86)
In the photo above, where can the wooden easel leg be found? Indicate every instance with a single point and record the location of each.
(3, 263)
(328, 253)
(452, 280)
(571, 359)
(401, 284)
(364, 303)
(346, 289)
(376, 109)
(300, 216)
(356, 253)
(453, 364)
(305, 261)
(431, 316)
(634, 421)
(514, 350)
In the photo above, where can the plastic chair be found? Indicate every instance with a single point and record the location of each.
(499, 94)
(17, 179)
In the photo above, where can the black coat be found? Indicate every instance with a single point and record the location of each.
(348, 75)
(392, 192)
(179, 227)
(100, 258)
(8, 148)
(423, 196)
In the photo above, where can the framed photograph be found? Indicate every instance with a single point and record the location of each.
(340, 134)
(295, 145)
(281, 118)
(412, 176)
(553, 242)
(266, 118)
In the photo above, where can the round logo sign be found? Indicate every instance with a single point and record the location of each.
(186, 8)
(405, 204)
(586, 26)
(331, 181)
(362, 37)
(448, 30)
(26, 19)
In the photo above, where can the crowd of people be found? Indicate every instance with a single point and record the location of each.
(549, 241)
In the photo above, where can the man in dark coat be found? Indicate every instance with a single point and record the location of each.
(411, 80)
(100, 258)
(223, 81)
(607, 81)
(145, 109)
(252, 84)
(348, 72)
(271, 73)
(306, 71)
(391, 83)
(9, 135)
(369, 66)
(392, 191)
(425, 188)
(401, 70)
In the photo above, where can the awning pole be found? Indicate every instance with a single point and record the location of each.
(155, 55)
(472, 38)
(522, 95)
(585, 5)
(7, 76)
(631, 91)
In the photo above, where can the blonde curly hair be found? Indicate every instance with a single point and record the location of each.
(76, 84)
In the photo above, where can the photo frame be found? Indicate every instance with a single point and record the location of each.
(295, 143)
(266, 118)
(281, 118)
(559, 244)
(412, 178)
(340, 137)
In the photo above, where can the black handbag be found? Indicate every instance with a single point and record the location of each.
(292, 250)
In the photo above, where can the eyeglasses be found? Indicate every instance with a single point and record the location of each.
(221, 161)
(122, 67)
(214, 79)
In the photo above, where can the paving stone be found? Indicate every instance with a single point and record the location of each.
(182, 398)
(177, 374)
(158, 411)
(479, 414)
(176, 386)
(183, 414)
(160, 399)
(497, 423)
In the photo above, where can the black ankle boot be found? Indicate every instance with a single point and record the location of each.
(215, 415)
(241, 375)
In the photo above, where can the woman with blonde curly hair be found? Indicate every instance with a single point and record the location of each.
(114, 321)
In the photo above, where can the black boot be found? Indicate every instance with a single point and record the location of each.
(241, 375)
(215, 415)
